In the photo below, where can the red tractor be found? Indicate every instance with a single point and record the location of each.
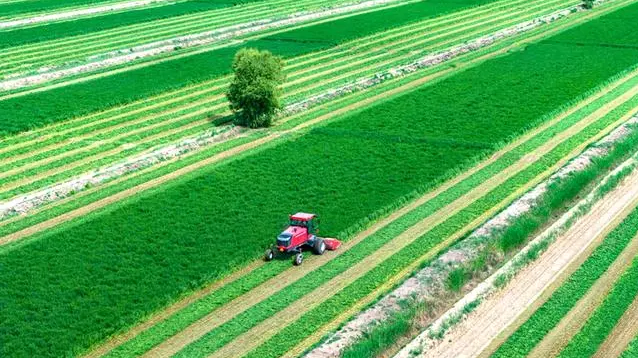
(301, 232)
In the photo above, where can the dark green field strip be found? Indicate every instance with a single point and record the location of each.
(111, 269)
(632, 349)
(24, 7)
(560, 303)
(602, 322)
(37, 109)
(58, 30)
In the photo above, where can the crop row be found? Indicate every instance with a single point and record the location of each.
(31, 167)
(78, 48)
(13, 8)
(44, 32)
(576, 286)
(185, 259)
(605, 317)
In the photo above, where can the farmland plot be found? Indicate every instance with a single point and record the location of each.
(37, 161)
(156, 256)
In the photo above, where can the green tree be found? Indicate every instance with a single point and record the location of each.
(255, 91)
(589, 4)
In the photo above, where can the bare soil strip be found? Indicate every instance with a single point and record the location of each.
(554, 342)
(536, 282)
(624, 332)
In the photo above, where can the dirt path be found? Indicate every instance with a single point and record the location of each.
(534, 285)
(624, 332)
(558, 338)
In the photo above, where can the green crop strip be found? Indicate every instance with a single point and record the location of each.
(51, 106)
(561, 302)
(632, 349)
(99, 23)
(603, 320)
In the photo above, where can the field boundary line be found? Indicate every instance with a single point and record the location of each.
(622, 334)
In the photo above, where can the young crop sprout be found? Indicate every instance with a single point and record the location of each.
(255, 91)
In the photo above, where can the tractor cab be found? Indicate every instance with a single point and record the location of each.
(302, 231)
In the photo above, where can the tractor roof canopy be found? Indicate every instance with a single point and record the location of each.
(302, 216)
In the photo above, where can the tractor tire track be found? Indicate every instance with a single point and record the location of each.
(620, 337)
(534, 284)
(266, 329)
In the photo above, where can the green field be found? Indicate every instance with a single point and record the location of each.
(157, 246)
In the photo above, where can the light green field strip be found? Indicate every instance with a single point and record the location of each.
(20, 59)
(34, 164)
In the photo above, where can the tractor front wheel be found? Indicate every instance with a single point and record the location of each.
(319, 247)
(269, 255)
(297, 259)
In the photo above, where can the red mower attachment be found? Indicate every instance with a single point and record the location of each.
(301, 232)
(332, 244)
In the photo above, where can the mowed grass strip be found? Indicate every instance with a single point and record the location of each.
(182, 262)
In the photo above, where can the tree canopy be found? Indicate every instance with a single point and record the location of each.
(255, 91)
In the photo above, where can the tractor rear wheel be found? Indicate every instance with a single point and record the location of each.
(269, 255)
(319, 247)
(297, 259)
